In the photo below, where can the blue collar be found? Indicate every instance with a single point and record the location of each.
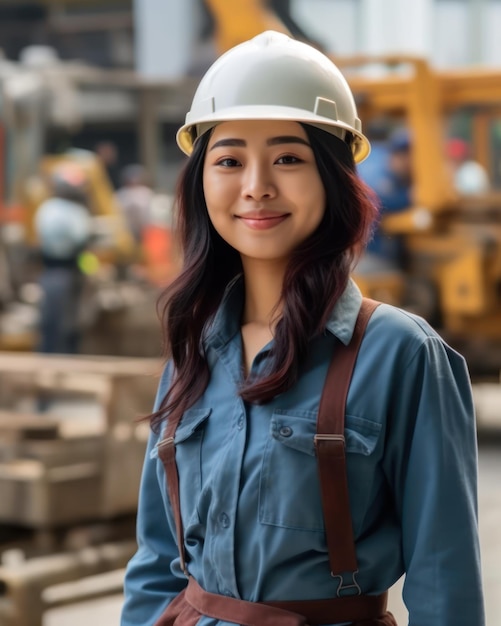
(341, 322)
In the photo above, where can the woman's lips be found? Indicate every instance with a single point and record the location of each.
(263, 222)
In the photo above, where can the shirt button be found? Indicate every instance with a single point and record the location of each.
(285, 431)
(240, 423)
(228, 593)
(224, 520)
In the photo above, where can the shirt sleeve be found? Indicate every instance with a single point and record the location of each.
(149, 584)
(432, 465)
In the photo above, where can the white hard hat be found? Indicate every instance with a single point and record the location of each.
(275, 77)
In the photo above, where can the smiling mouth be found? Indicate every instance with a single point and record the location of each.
(263, 222)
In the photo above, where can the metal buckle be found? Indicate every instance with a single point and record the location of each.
(326, 437)
(169, 441)
(166, 449)
(353, 585)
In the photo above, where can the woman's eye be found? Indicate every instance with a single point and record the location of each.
(288, 159)
(228, 162)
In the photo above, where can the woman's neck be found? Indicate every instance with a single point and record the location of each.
(263, 289)
(262, 308)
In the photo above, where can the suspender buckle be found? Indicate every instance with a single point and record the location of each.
(319, 437)
(351, 587)
(166, 449)
(168, 441)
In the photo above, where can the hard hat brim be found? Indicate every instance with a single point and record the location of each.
(191, 131)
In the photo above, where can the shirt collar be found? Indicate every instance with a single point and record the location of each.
(341, 322)
(226, 323)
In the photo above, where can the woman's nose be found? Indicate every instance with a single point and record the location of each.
(257, 182)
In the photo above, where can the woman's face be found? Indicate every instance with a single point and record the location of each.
(263, 191)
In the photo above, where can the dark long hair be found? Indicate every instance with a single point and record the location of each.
(316, 276)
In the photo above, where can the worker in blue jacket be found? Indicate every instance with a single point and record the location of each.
(233, 525)
(390, 177)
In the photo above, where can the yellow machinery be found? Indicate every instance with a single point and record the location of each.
(453, 242)
(239, 21)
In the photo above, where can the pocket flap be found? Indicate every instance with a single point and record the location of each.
(192, 419)
(361, 435)
(295, 431)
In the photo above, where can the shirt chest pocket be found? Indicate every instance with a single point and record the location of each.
(289, 490)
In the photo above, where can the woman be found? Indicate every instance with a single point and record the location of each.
(272, 216)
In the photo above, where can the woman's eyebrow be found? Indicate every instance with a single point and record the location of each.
(228, 142)
(272, 141)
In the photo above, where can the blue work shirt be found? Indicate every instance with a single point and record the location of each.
(250, 498)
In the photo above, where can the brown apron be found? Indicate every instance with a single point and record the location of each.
(360, 610)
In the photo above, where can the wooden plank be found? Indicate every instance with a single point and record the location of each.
(14, 362)
(19, 426)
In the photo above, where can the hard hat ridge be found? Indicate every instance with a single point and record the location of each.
(275, 77)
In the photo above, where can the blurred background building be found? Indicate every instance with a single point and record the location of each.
(171, 42)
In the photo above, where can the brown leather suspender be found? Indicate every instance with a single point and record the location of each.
(167, 453)
(330, 448)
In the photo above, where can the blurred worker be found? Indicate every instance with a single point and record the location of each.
(135, 199)
(108, 154)
(470, 177)
(63, 227)
(393, 187)
(373, 169)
